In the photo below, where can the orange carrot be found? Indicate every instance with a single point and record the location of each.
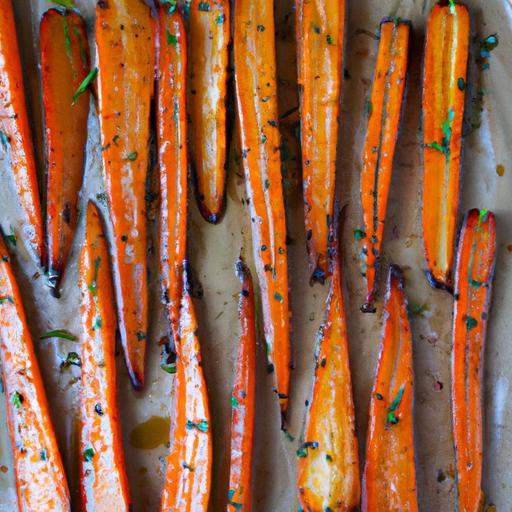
(256, 96)
(473, 279)
(383, 110)
(444, 86)
(64, 66)
(389, 481)
(209, 32)
(40, 478)
(125, 34)
(103, 481)
(15, 135)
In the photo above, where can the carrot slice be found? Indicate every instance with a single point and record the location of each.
(243, 399)
(444, 86)
(40, 478)
(384, 110)
(209, 33)
(172, 157)
(256, 96)
(125, 33)
(103, 481)
(64, 66)
(473, 279)
(389, 481)
(188, 477)
(15, 135)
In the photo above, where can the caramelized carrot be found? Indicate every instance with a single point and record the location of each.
(64, 66)
(103, 481)
(209, 33)
(256, 96)
(389, 481)
(15, 136)
(383, 110)
(242, 399)
(40, 478)
(320, 43)
(473, 279)
(444, 86)
(125, 34)
(188, 476)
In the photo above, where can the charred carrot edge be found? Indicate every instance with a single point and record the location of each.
(389, 481)
(125, 33)
(103, 481)
(243, 399)
(172, 157)
(64, 66)
(473, 281)
(40, 478)
(15, 135)
(444, 86)
(384, 112)
(209, 34)
(256, 97)
(188, 476)
(320, 44)
(328, 464)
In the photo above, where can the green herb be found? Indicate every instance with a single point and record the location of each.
(7, 298)
(368, 108)
(391, 417)
(474, 283)
(4, 140)
(261, 28)
(278, 296)
(43, 455)
(289, 437)
(234, 402)
(83, 86)
(132, 156)
(489, 43)
(482, 214)
(69, 50)
(88, 454)
(83, 52)
(378, 396)
(59, 333)
(17, 399)
(171, 3)
(65, 3)
(98, 323)
(435, 145)
(11, 239)
(471, 323)
(204, 6)
(452, 6)
(359, 234)
(202, 425)
(266, 184)
(5, 259)
(171, 38)
(220, 19)
(303, 449)
(234, 504)
(141, 335)
(328, 457)
(329, 39)
(72, 359)
(461, 84)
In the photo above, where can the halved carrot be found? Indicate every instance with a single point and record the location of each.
(473, 280)
(389, 481)
(188, 476)
(125, 33)
(444, 86)
(103, 481)
(256, 96)
(320, 44)
(243, 399)
(172, 156)
(383, 110)
(15, 135)
(64, 66)
(40, 478)
(209, 34)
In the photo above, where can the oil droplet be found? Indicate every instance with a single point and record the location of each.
(151, 433)
(500, 170)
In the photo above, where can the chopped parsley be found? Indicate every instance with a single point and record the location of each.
(202, 425)
(88, 454)
(17, 399)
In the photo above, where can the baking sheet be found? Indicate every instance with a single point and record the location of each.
(487, 183)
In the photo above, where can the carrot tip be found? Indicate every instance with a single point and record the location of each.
(318, 276)
(434, 283)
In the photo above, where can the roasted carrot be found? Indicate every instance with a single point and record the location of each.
(444, 86)
(256, 97)
(383, 110)
(103, 481)
(172, 156)
(40, 478)
(125, 33)
(328, 466)
(320, 43)
(473, 279)
(64, 67)
(209, 34)
(15, 136)
(188, 476)
(243, 399)
(389, 481)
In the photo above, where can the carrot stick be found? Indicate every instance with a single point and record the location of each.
(383, 110)
(209, 33)
(125, 34)
(256, 96)
(64, 66)
(243, 399)
(40, 478)
(389, 481)
(103, 481)
(444, 86)
(15, 136)
(473, 279)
